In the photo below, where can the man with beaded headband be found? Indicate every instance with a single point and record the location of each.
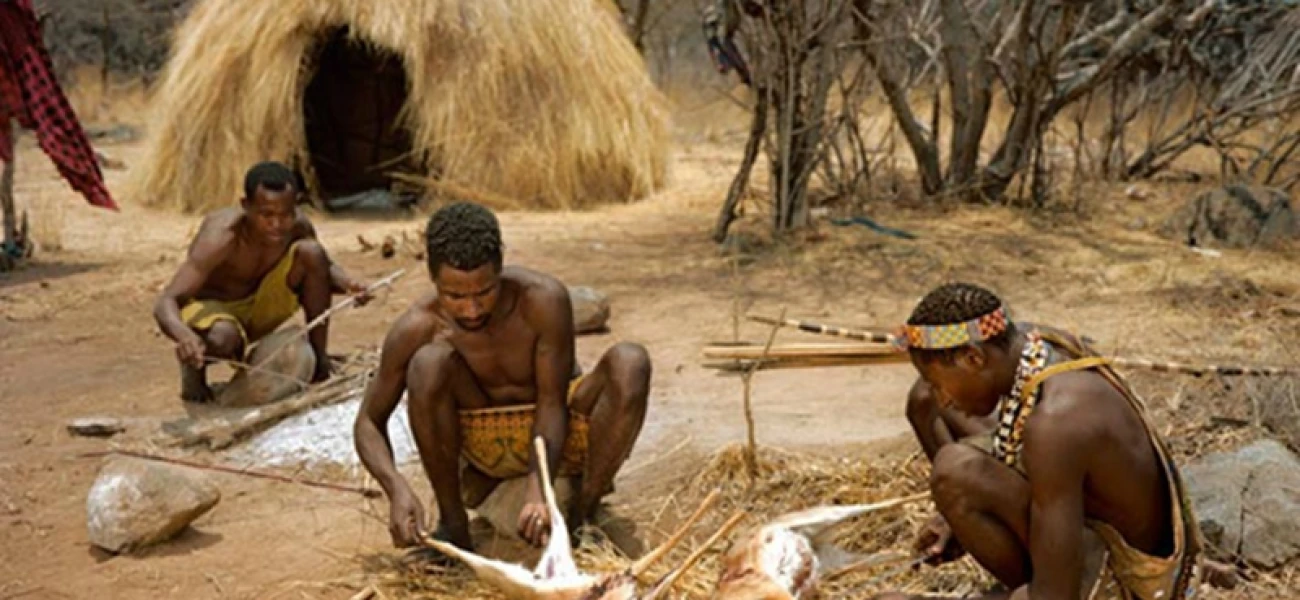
(1036, 444)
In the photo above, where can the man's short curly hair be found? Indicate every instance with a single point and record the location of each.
(956, 303)
(464, 236)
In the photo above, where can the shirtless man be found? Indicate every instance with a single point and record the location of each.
(488, 362)
(248, 270)
(1072, 451)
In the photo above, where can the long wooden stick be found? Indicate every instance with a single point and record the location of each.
(1117, 361)
(670, 580)
(879, 337)
(344, 303)
(367, 492)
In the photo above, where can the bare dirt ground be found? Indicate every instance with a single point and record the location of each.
(77, 339)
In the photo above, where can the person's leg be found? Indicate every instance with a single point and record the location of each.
(439, 384)
(222, 340)
(309, 278)
(986, 504)
(614, 396)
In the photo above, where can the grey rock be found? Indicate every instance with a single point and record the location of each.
(96, 426)
(1235, 216)
(590, 309)
(136, 503)
(1248, 503)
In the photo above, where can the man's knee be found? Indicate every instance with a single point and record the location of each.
(629, 367)
(224, 341)
(922, 409)
(629, 376)
(955, 476)
(430, 371)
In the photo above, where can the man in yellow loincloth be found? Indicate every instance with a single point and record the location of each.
(249, 269)
(487, 361)
(1071, 451)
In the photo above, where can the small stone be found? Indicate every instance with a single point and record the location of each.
(1137, 224)
(136, 503)
(590, 309)
(96, 426)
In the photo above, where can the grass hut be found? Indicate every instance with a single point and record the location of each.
(543, 102)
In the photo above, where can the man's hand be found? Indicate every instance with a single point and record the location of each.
(937, 542)
(535, 523)
(190, 350)
(360, 289)
(405, 519)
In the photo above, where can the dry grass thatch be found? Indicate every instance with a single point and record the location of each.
(544, 101)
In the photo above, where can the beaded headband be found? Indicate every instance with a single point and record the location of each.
(953, 335)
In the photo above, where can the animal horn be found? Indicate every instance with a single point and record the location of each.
(820, 517)
(655, 555)
(666, 584)
(557, 559)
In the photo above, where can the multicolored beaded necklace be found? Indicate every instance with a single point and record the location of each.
(1014, 410)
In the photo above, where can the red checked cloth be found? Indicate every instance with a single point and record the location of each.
(30, 94)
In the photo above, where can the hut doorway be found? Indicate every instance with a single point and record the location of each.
(351, 109)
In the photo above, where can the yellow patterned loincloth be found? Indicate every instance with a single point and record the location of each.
(259, 314)
(497, 440)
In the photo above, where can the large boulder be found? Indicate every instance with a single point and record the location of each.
(590, 309)
(136, 503)
(1248, 503)
(1235, 216)
(275, 379)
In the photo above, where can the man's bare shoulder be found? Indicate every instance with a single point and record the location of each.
(418, 323)
(217, 232)
(537, 290)
(1076, 405)
(303, 228)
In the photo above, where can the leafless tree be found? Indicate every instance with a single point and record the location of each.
(1045, 55)
(794, 64)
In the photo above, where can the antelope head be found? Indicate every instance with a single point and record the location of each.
(784, 559)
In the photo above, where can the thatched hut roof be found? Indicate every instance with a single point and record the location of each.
(541, 101)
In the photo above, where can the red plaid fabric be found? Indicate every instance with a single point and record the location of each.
(30, 94)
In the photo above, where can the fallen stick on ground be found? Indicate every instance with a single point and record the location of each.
(219, 433)
(369, 493)
(344, 303)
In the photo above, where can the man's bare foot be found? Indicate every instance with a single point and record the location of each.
(194, 385)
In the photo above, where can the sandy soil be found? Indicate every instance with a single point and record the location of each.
(77, 339)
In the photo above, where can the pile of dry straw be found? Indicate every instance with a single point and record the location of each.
(789, 481)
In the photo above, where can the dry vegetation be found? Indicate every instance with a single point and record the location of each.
(501, 98)
(1086, 259)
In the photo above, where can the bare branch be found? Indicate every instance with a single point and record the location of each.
(1128, 44)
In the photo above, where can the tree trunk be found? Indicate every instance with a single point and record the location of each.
(757, 129)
